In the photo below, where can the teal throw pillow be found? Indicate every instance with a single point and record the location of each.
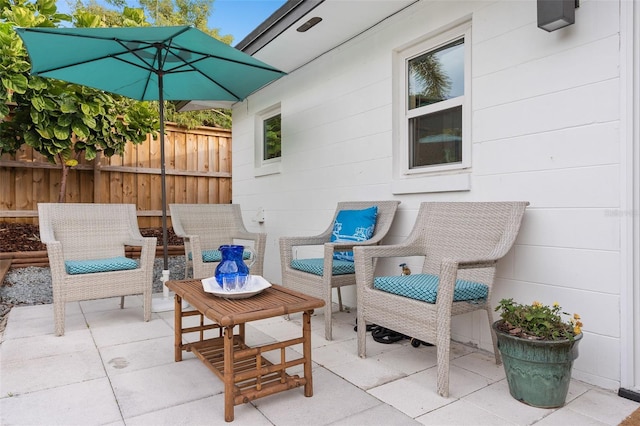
(353, 225)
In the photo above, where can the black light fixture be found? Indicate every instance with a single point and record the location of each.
(556, 14)
(310, 23)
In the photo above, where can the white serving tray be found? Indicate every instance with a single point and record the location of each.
(255, 284)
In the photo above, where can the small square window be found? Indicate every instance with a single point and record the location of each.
(268, 141)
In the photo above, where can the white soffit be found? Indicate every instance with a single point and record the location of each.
(341, 21)
(289, 49)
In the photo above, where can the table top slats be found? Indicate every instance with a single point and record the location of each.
(273, 301)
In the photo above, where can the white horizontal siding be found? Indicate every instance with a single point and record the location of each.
(545, 128)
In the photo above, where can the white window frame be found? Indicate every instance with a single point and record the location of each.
(433, 178)
(264, 167)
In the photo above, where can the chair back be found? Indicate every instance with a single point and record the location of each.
(467, 230)
(215, 224)
(88, 231)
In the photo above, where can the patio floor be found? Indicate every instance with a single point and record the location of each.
(112, 368)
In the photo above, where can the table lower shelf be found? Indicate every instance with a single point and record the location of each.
(254, 376)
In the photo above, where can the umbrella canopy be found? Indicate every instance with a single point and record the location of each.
(129, 62)
(148, 63)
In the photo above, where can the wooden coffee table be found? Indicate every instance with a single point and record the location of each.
(246, 374)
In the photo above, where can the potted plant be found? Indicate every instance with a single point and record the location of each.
(538, 347)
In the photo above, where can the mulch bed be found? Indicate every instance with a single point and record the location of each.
(16, 237)
(632, 420)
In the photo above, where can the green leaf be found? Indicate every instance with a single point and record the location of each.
(80, 130)
(44, 132)
(64, 120)
(89, 121)
(90, 152)
(16, 82)
(37, 83)
(61, 132)
(38, 102)
(68, 106)
(46, 7)
(22, 16)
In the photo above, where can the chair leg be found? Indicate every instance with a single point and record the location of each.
(121, 302)
(328, 308)
(58, 317)
(340, 299)
(442, 351)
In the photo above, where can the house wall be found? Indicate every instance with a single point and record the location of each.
(546, 119)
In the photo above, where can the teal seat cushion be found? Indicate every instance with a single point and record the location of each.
(425, 287)
(74, 267)
(316, 266)
(216, 255)
(353, 225)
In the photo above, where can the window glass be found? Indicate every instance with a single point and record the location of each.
(272, 138)
(437, 75)
(436, 138)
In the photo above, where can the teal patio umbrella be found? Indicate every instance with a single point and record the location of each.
(148, 63)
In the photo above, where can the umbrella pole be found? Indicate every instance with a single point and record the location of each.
(166, 304)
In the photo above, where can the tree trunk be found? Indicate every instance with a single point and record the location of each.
(63, 182)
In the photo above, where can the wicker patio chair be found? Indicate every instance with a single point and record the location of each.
(308, 275)
(86, 250)
(205, 227)
(461, 244)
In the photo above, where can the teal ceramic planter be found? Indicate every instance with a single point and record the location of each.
(538, 372)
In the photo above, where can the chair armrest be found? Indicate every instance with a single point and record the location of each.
(395, 250)
(56, 259)
(148, 252)
(137, 242)
(314, 240)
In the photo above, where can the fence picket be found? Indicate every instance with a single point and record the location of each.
(194, 160)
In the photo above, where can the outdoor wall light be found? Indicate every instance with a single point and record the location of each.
(556, 14)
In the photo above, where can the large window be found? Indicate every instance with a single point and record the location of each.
(432, 104)
(435, 133)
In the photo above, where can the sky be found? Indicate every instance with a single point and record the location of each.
(235, 17)
(240, 17)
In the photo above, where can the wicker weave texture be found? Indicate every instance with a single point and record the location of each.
(83, 231)
(207, 227)
(321, 286)
(457, 240)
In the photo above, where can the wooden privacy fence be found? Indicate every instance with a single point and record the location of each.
(197, 168)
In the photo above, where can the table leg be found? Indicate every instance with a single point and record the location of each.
(177, 323)
(228, 374)
(306, 352)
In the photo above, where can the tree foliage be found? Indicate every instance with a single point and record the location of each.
(64, 121)
(60, 120)
(116, 13)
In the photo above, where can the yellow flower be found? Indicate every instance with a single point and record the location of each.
(576, 316)
(556, 304)
(537, 304)
(577, 329)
